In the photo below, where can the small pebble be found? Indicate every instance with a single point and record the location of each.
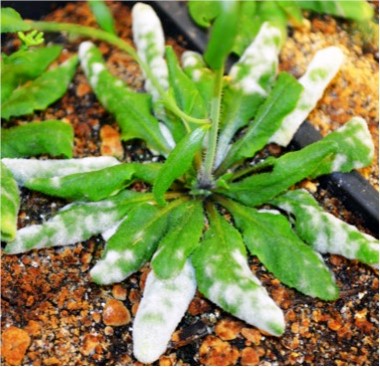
(115, 313)
(14, 344)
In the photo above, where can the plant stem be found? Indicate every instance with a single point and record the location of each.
(213, 134)
(124, 46)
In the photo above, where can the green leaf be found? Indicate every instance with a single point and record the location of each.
(147, 172)
(248, 26)
(185, 91)
(40, 93)
(223, 276)
(321, 70)
(287, 171)
(270, 115)
(10, 202)
(132, 245)
(162, 307)
(52, 137)
(25, 65)
(102, 15)
(11, 21)
(74, 223)
(131, 109)
(88, 186)
(292, 10)
(353, 9)
(203, 12)
(356, 148)
(27, 169)
(269, 236)
(178, 162)
(326, 233)
(223, 34)
(185, 229)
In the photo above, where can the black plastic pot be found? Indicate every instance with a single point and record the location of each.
(356, 193)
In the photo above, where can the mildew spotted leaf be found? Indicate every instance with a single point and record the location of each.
(162, 307)
(326, 233)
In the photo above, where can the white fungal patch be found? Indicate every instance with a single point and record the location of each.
(26, 169)
(105, 273)
(339, 161)
(149, 39)
(108, 233)
(129, 256)
(244, 270)
(190, 59)
(250, 303)
(65, 228)
(319, 73)
(97, 67)
(259, 59)
(167, 135)
(156, 318)
(84, 49)
(196, 75)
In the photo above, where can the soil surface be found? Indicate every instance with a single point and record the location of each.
(52, 314)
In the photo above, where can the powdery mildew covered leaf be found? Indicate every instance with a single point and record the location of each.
(27, 169)
(251, 80)
(149, 39)
(233, 287)
(269, 236)
(321, 70)
(132, 245)
(10, 202)
(41, 92)
(73, 223)
(52, 137)
(131, 109)
(356, 148)
(282, 99)
(184, 231)
(162, 307)
(326, 233)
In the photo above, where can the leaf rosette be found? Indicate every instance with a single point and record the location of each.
(210, 206)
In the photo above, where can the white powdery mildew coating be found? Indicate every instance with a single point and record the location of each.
(26, 169)
(336, 241)
(161, 309)
(150, 43)
(167, 135)
(244, 271)
(191, 59)
(251, 304)
(361, 139)
(60, 231)
(261, 57)
(84, 53)
(319, 73)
